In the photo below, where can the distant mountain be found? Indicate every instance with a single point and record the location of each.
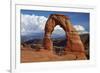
(34, 36)
(31, 36)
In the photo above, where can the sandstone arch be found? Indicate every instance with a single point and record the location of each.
(74, 43)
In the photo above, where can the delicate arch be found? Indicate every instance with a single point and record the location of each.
(74, 42)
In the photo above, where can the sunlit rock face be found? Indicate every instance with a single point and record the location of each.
(73, 41)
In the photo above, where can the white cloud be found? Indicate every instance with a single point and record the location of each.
(32, 23)
(58, 30)
(80, 29)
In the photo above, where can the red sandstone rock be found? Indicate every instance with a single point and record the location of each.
(74, 43)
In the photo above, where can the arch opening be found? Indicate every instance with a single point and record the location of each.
(58, 37)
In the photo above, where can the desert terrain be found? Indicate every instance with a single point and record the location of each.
(33, 51)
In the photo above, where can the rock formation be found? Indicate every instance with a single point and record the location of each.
(73, 42)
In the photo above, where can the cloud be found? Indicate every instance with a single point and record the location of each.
(80, 29)
(32, 23)
(58, 31)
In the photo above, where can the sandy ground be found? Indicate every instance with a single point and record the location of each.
(30, 55)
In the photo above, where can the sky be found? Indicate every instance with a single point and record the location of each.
(33, 21)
